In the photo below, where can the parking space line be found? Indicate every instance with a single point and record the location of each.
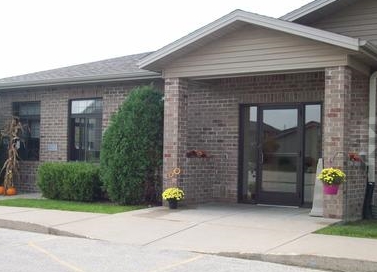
(55, 258)
(168, 267)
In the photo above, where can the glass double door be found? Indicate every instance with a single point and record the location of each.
(273, 154)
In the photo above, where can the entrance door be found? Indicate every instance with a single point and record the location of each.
(279, 150)
(279, 176)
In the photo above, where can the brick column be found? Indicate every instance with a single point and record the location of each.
(337, 115)
(175, 129)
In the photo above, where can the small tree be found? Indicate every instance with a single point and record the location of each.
(131, 154)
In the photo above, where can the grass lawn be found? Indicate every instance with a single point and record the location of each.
(362, 229)
(96, 207)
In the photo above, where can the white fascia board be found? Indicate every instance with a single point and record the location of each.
(306, 9)
(79, 80)
(255, 19)
(188, 39)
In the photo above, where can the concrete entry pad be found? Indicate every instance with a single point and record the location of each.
(239, 228)
(206, 228)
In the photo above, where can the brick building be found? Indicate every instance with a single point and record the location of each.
(57, 106)
(265, 98)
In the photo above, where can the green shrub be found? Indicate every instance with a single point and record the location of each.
(76, 181)
(131, 154)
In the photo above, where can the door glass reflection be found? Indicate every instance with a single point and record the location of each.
(280, 150)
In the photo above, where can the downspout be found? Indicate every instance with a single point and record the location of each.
(372, 128)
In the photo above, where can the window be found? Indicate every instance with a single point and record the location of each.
(30, 117)
(85, 129)
(313, 148)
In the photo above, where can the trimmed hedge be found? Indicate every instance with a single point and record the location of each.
(75, 181)
(131, 154)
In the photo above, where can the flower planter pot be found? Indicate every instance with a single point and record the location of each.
(330, 189)
(173, 194)
(173, 204)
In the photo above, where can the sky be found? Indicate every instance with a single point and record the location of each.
(40, 35)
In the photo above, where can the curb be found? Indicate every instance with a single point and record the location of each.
(32, 227)
(309, 261)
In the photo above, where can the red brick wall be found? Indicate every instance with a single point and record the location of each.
(337, 101)
(175, 130)
(26, 182)
(346, 131)
(358, 142)
(54, 117)
(213, 125)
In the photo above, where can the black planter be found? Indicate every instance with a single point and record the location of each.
(173, 203)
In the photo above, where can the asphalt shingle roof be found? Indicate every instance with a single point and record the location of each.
(126, 65)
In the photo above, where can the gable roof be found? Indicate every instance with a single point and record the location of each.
(115, 69)
(237, 18)
(315, 10)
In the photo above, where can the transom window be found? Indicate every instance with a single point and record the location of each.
(85, 129)
(91, 106)
(30, 117)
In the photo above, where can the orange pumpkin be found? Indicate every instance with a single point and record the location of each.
(2, 190)
(11, 191)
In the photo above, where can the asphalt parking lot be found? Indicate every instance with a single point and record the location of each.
(33, 252)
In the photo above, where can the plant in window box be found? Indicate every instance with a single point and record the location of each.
(331, 179)
(12, 131)
(197, 154)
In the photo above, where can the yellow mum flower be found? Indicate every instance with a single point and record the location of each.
(332, 176)
(173, 193)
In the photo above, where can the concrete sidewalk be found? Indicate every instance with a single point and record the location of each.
(276, 234)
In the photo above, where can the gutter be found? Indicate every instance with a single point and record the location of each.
(80, 80)
(372, 127)
(368, 49)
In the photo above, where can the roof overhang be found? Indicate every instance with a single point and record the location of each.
(81, 80)
(368, 49)
(156, 60)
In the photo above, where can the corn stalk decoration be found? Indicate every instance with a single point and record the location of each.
(12, 131)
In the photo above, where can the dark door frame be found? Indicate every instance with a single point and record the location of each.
(280, 198)
(301, 124)
(71, 152)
